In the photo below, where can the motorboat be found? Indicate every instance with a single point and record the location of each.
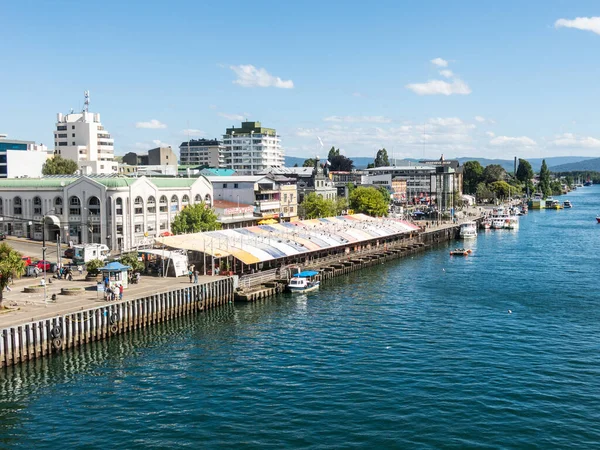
(468, 230)
(512, 223)
(304, 282)
(598, 219)
(486, 224)
(553, 204)
(567, 204)
(460, 252)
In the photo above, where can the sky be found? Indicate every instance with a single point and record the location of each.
(470, 78)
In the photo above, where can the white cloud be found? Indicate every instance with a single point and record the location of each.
(439, 62)
(446, 73)
(153, 124)
(490, 133)
(435, 87)
(238, 117)
(508, 141)
(357, 94)
(152, 144)
(479, 119)
(192, 131)
(358, 119)
(581, 23)
(250, 76)
(571, 140)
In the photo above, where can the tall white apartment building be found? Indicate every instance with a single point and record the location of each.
(252, 148)
(82, 138)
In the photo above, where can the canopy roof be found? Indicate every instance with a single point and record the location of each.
(114, 266)
(306, 273)
(261, 243)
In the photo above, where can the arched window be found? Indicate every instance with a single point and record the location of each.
(151, 205)
(185, 201)
(138, 205)
(174, 204)
(37, 205)
(162, 206)
(74, 206)
(94, 206)
(17, 206)
(207, 200)
(119, 206)
(197, 198)
(58, 205)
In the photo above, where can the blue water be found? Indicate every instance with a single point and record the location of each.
(417, 353)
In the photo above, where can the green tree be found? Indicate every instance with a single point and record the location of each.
(341, 163)
(483, 192)
(131, 259)
(316, 206)
(371, 166)
(544, 184)
(341, 205)
(195, 218)
(494, 172)
(457, 199)
(472, 176)
(556, 187)
(385, 193)
(382, 159)
(501, 188)
(58, 165)
(333, 153)
(524, 171)
(310, 162)
(93, 266)
(11, 266)
(368, 200)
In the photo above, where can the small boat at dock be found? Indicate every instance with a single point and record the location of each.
(468, 230)
(304, 282)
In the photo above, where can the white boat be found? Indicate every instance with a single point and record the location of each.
(304, 282)
(567, 204)
(512, 223)
(468, 230)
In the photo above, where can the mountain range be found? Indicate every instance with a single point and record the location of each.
(555, 163)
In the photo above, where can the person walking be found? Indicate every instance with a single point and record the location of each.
(120, 292)
(80, 269)
(196, 273)
(191, 274)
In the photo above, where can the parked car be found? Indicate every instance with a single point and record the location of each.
(43, 265)
(27, 260)
(70, 252)
(2, 235)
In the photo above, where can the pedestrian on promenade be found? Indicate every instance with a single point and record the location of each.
(109, 294)
(36, 271)
(191, 274)
(80, 269)
(106, 283)
(120, 292)
(196, 273)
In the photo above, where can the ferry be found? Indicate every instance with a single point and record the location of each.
(567, 204)
(304, 282)
(468, 230)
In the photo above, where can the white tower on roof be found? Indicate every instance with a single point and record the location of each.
(82, 138)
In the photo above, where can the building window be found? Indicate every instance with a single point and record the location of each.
(18, 206)
(63, 135)
(235, 185)
(185, 200)
(119, 207)
(174, 204)
(163, 225)
(151, 226)
(207, 200)
(139, 205)
(120, 229)
(73, 134)
(151, 205)
(162, 206)
(73, 143)
(94, 206)
(58, 205)
(138, 228)
(72, 127)
(37, 206)
(62, 144)
(74, 206)
(197, 198)
(61, 128)
(1, 206)
(224, 185)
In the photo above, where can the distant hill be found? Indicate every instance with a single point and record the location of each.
(592, 165)
(553, 162)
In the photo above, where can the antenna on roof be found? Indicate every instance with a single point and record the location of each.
(86, 103)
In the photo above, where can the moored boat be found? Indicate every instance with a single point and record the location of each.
(460, 252)
(567, 204)
(304, 282)
(468, 230)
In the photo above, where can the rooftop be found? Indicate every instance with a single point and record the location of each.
(200, 142)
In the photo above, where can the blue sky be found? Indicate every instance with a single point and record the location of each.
(470, 78)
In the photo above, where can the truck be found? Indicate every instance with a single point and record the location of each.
(83, 253)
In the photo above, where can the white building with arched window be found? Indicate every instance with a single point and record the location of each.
(117, 211)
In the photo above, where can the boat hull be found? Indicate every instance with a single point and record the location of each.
(302, 290)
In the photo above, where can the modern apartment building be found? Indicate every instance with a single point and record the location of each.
(202, 152)
(82, 138)
(252, 148)
(21, 158)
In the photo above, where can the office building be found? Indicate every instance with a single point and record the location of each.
(202, 152)
(21, 158)
(252, 148)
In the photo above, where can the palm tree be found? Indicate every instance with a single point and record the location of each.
(11, 265)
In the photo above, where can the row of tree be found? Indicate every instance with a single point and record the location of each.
(337, 161)
(367, 200)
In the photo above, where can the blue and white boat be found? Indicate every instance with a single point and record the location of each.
(304, 282)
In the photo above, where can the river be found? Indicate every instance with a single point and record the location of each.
(500, 349)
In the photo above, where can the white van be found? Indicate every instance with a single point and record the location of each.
(83, 253)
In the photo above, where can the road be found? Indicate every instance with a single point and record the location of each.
(33, 249)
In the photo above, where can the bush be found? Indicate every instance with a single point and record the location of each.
(93, 266)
